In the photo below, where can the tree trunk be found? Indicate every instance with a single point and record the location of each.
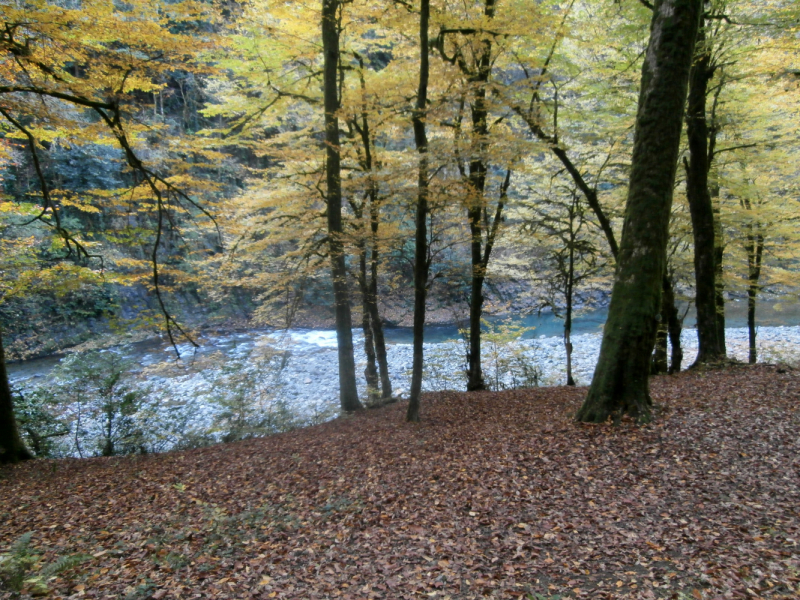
(348, 392)
(11, 447)
(371, 298)
(377, 328)
(620, 382)
(476, 210)
(421, 258)
(669, 328)
(674, 325)
(700, 207)
(375, 318)
(719, 281)
(755, 251)
(568, 294)
(752, 292)
(658, 364)
(371, 370)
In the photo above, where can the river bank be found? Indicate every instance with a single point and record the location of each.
(290, 379)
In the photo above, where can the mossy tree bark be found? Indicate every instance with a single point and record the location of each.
(620, 382)
(12, 449)
(348, 392)
(422, 261)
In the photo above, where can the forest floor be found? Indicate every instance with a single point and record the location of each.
(493, 495)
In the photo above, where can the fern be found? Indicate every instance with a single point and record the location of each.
(64, 563)
(15, 564)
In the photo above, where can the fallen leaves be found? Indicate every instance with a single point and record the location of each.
(496, 495)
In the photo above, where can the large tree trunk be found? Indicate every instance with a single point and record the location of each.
(11, 447)
(348, 392)
(421, 258)
(620, 382)
(700, 207)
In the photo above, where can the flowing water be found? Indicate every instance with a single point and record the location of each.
(769, 314)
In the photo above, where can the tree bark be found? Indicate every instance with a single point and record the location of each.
(719, 281)
(659, 364)
(700, 207)
(371, 370)
(12, 449)
(476, 209)
(620, 383)
(674, 326)
(421, 253)
(669, 328)
(568, 296)
(348, 392)
(372, 307)
(374, 223)
(755, 252)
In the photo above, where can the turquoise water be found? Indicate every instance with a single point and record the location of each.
(768, 314)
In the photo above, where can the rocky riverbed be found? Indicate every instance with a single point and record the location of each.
(308, 381)
(280, 381)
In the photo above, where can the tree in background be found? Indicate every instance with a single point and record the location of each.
(53, 79)
(348, 393)
(422, 261)
(572, 255)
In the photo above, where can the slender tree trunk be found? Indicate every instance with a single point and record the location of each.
(476, 210)
(719, 281)
(371, 298)
(371, 370)
(669, 328)
(658, 363)
(700, 207)
(755, 251)
(348, 392)
(568, 315)
(12, 449)
(475, 380)
(674, 325)
(421, 253)
(752, 292)
(620, 382)
(377, 327)
(375, 318)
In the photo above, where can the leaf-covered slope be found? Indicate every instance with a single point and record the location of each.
(493, 495)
